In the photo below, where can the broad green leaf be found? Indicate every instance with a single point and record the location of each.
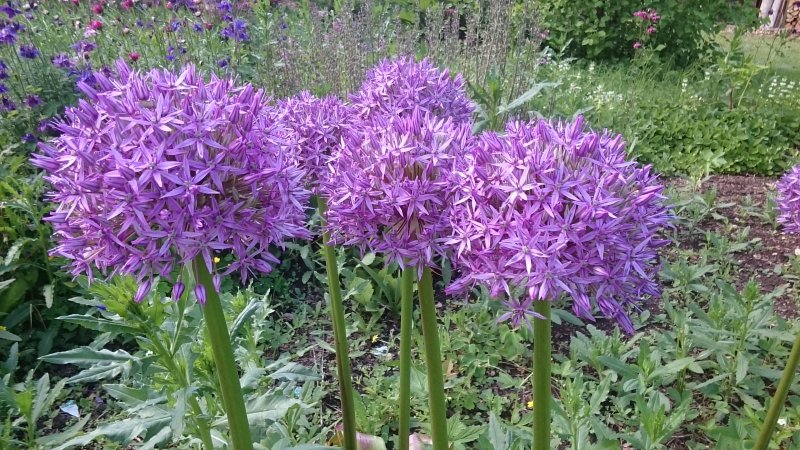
(101, 324)
(526, 97)
(672, 368)
(99, 372)
(497, 436)
(617, 366)
(87, 356)
(246, 313)
(9, 336)
(293, 372)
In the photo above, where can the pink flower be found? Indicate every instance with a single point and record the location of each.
(169, 5)
(97, 8)
(95, 25)
(134, 56)
(127, 4)
(637, 45)
(651, 30)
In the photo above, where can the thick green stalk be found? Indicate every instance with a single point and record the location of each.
(340, 340)
(220, 340)
(433, 361)
(406, 317)
(542, 343)
(762, 443)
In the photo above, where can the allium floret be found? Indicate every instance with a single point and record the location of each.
(153, 169)
(319, 127)
(390, 191)
(789, 200)
(547, 211)
(399, 86)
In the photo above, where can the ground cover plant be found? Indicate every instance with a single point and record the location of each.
(390, 224)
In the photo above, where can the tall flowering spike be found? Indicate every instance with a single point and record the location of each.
(389, 191)
(156, 168)
(318, 126)
(551, 210)
(789, 200)
(399, 86)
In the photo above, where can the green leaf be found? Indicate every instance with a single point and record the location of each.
(742, 365)
(617, 366)
(264, 410)
(672, 368)
(9, 336)
(293, 372)
(526, 97)
(101, 324)
(88, 356)
(497, 436)
(246, 313)
(5, 283)
(99, 372)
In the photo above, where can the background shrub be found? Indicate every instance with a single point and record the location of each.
(603, 30)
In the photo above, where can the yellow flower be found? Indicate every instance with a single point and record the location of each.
(217, 260)
(530, 404)
(2, 328)
(374, 338)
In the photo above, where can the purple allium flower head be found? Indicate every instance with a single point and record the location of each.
(62, 61)
(8, 35)
(198, 27)
(6, 104)
(236, 30)
(28, 51)
(32, 101)
(319, 126)
(3, 88)
(9, 10)
(389, 189)
(554, 210)
(225, 6)
(154, 169)
(789, 200)
(84, 46)
(223, 63)
(399, 86)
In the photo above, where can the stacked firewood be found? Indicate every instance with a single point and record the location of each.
(792, 17)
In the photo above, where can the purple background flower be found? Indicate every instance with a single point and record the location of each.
(400, 86)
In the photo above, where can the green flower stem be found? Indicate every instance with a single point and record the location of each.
(406, 317)
(542, 348)
(340, 340)
(762, 443)
(433, 361)
(220, 340)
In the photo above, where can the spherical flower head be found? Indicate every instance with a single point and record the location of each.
(399, 86)
(319, 126)
(789, 200)
(154, 169)
(28, 51)
(389, 188)
(551, 210)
